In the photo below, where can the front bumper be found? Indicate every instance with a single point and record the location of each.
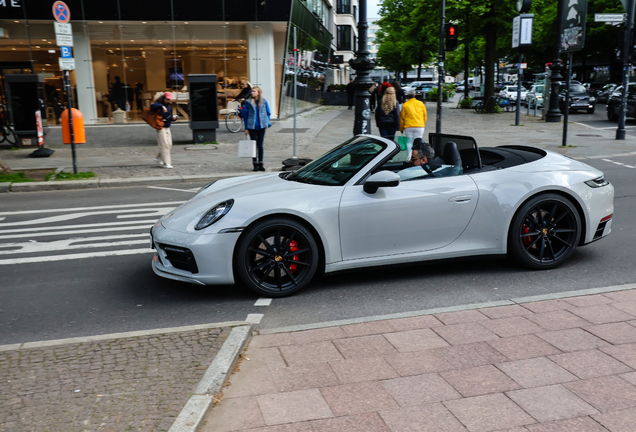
(203, 259)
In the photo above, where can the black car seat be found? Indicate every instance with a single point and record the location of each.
(451, 154)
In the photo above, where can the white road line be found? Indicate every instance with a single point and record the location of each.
(75, 256)
(254, 318)
(61, 245)
(607, 160)
(84, 231)
(62, 218)
(60, 227)
(263, 302)
(111, 207)
(173, 189)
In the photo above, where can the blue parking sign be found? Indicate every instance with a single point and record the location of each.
(66, 52)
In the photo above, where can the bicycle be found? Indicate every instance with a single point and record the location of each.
(504, 103)
(6, 132)
(233, 120)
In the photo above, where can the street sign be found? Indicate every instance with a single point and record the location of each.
(609, 17)
(64, 40)
(66, 52)
(522, 31)
(523, 66)
(572, 36)
(61, 12)
(65, 29)
(66, 64)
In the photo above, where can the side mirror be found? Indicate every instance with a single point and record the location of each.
(381, 179)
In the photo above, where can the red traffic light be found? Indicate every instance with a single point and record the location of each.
(451, 30)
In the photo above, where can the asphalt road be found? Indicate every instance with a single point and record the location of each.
(77, 263)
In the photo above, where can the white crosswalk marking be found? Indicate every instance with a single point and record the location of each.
(46, 235)
(619, 163)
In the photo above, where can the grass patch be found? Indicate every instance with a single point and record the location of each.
(17, 177)
(64, 176)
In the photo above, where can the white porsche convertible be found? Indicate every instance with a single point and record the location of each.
(358, 206)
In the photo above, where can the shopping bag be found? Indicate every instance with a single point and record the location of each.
(153, 118)
(403, 141)
(247, 149)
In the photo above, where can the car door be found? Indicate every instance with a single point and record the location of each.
(631, 101)
(417, 215)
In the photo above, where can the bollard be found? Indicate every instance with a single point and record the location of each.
(119, 116)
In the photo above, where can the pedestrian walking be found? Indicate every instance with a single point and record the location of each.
(412, 118)
(164, 135)
(255, 113)
(373, 90)
(399, 92)
(351, 92)
(387, 116)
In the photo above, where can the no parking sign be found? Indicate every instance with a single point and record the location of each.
(61, 12)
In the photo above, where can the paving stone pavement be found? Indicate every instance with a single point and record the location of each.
(559, 365)
(123, 384)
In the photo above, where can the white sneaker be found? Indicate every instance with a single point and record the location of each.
(165, 165)
(159, 161)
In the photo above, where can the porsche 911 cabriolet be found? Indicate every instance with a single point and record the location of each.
(358, 206)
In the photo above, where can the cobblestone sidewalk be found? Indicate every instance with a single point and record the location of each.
(124, 384)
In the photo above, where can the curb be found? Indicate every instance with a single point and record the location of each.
(114, 182)
(192, 414)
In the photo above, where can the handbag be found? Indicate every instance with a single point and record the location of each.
(403, 141)
(247, 149)
(153, 118)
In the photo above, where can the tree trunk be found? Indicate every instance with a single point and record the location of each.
(4, 168)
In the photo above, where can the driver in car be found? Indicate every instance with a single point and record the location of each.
(424, 163)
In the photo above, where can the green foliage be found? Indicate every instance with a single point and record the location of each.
(17, 177)
(337, 87)
(64, 176)
(446, 88)
(466, 103)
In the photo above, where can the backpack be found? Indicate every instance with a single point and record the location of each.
(153, 118)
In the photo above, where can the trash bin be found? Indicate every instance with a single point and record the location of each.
(25, 96)
(119, 116)
(204, 116)
(79, 136)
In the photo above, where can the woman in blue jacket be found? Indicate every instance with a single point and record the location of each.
(255, 113)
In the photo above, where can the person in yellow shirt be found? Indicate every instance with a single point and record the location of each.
(412, 118)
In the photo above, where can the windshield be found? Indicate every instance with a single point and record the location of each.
(574, 88)
(514, 89)
(337, 166)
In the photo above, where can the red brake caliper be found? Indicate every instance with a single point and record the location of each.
(293, 246)
(526, 230)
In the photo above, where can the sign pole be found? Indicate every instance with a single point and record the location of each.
(67, 87)
(620, 131)
(440, 70)
(566, 112)
(518, 101)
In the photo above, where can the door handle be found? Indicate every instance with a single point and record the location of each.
(461, 198)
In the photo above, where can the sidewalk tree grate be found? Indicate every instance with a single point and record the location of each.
(291, 130)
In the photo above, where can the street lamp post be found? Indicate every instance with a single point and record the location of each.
(362, 65)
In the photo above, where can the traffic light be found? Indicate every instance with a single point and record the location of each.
(450, 34)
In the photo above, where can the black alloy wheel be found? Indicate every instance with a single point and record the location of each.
(276, 258)
(591, 110)
(544, 232)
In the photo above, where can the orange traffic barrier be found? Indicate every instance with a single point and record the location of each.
(78, 127)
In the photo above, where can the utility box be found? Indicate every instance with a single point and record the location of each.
(204, 108)
(25, 96)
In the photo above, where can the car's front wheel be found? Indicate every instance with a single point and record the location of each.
(544, 232)
(276, 257)
(590, 110)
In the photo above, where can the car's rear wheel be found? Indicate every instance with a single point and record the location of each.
(277, 257)
(611, 113)
(544, 232)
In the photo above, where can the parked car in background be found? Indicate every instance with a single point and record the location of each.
(614, 102)
(510, 92)
(580, 99)
(594, 88)
(422, 89)
(604, 94)
(535, 96)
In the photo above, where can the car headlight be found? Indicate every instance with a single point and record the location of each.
(214, 214)
(204, 187)
(597, 182)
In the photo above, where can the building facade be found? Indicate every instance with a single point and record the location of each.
(154, 49)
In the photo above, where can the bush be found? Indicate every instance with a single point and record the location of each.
(432, 94)
(466, 103)
(338, 87)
